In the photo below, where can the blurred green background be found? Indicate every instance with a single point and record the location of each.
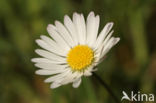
(129, 66)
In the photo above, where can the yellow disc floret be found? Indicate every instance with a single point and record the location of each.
(80, 57)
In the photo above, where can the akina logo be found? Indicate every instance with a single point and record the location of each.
(137, 97)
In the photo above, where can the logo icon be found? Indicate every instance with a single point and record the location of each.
(125, 96)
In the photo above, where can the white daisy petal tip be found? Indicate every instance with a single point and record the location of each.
(76, 83)
(33, 60)
(47, 81)
(66, 18)
(110, 25)
(118, 39)
(37, 41)
(97, 18)
(87, 74)
(36, 65)
(50, 27)
(57, 22)
(55, 85)
(42, 36)
(36, 72)
(115, 40)
(75, 13)
(91, 13)
(40, 72)
(59, 57)
(36, 51)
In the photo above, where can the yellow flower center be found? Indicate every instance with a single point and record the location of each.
(80, 57)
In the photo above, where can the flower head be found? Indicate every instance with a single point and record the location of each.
(73, 49)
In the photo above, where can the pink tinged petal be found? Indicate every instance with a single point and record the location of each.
(64, 33)
(52, 30)
(103, 34)
(71, 28)
(76, 83)
(107, 38)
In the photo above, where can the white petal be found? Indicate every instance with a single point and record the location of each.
(57, 77)
(64, 33)
(88, 72)
(99, 50)
(107, 38)
(44, 45)
(79, 74)
(93, 37)
(92, 28)
(79, 23)
(103, 34)
(44, 60)
(52, 30)
(109, 45)
(69, 78)
(76, 83)
(52, 44)
(49, 41)
(49, 55)
(54, 85)
(49, 72)
(71, 28)
(82, 29)
(50, 66)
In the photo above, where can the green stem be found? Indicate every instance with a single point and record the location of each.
(106, 87)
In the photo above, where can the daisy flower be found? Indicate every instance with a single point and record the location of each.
(73, 49)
